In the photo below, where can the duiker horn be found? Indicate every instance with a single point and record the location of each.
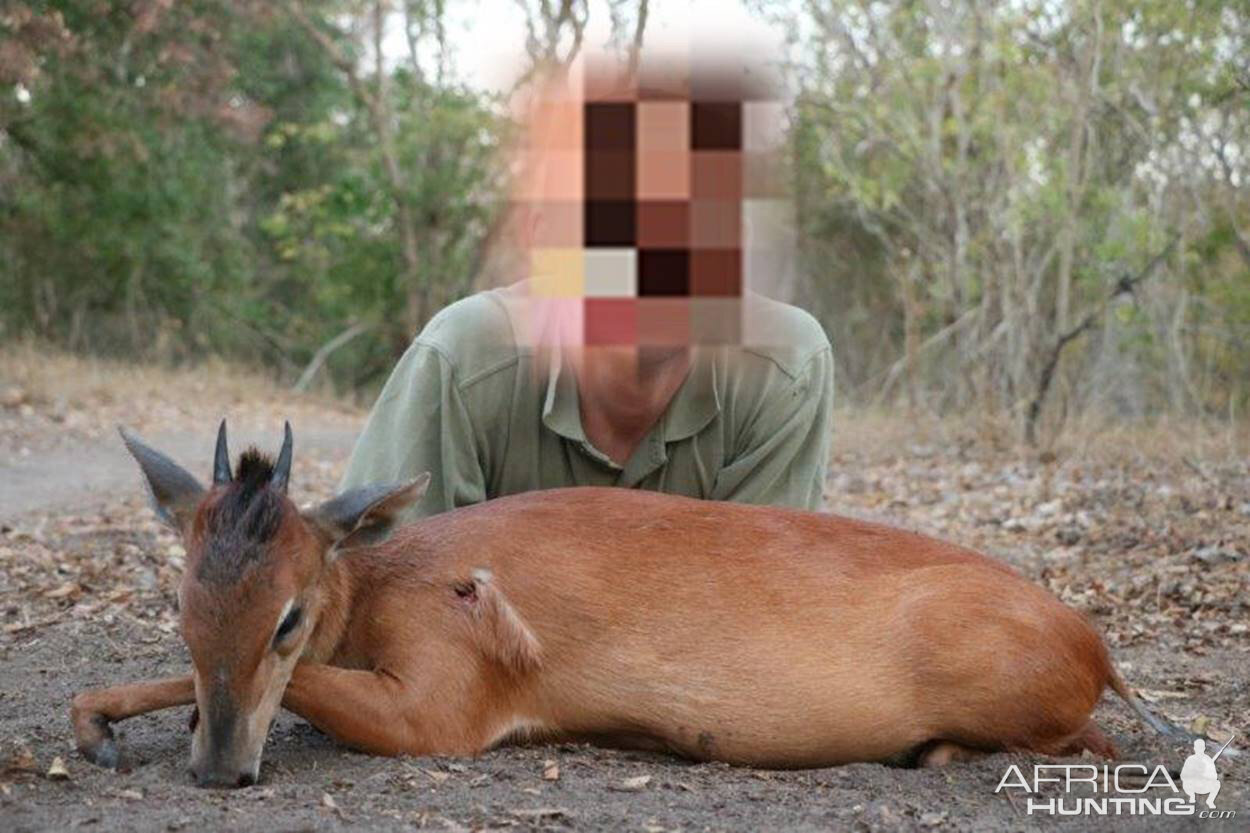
(282, 471)
(221, 459)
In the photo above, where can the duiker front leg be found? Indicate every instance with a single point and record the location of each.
(446, 694)
(93, 711)
(379, 713)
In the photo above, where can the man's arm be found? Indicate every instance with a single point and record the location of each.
(420, 423)
(784, 453)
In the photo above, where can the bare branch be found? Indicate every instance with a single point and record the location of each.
(640, 29)
(543, 47)
(323, 353)
(375, 101)
(1126, 285)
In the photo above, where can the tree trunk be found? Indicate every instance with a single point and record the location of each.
(377, 104)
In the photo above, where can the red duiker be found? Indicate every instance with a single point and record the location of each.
(753, 635)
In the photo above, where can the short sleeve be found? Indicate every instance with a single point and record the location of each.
(784, 452)
(419, 424)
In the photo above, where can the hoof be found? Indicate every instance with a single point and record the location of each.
(96, 741)
(105, 754)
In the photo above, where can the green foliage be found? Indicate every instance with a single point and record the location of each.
(201, 177)
(975, 180)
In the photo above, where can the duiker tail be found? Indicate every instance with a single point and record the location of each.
(1155, 722)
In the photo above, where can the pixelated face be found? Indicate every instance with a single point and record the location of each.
(637, 190)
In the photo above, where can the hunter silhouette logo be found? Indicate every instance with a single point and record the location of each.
(1199, 776)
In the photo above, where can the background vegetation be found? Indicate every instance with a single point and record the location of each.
(1030, 209)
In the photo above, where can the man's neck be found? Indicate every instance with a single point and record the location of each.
(623, 392)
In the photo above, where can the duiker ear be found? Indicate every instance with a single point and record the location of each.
(174, 492)
(363, 516)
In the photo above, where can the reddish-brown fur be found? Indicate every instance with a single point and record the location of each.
(747, 634)
(753, 635)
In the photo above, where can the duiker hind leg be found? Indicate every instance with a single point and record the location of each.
(93, 711)
(945, 752)
(1090, 738)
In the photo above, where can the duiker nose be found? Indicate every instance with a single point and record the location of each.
(222, 779)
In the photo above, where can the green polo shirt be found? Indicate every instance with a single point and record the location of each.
(488, 417)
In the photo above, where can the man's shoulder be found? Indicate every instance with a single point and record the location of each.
(782, 334)
(473, 335)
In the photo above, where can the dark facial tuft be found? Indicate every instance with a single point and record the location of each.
(255, 469)
(243, 522)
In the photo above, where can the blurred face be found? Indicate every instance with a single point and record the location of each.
(631, 197)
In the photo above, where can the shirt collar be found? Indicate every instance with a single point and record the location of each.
(561, 409)
(696, 403)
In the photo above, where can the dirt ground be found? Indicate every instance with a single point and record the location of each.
(1148, 533)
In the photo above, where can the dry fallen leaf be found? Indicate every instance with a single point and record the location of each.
(551, 771)
(1154, 695)
(18, 627)
(1220, 734)
(633, 785)
(436, 776)
(22, 760)
(450, 825)
(57, 771)
(12, 397)
(69, 588)
(540, 813)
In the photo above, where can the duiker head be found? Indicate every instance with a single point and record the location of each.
(255, 584)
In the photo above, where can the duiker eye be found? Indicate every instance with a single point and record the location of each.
(289, 623)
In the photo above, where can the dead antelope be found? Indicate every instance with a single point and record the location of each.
(753, 635)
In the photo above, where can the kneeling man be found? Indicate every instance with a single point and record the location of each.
(630, 354)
